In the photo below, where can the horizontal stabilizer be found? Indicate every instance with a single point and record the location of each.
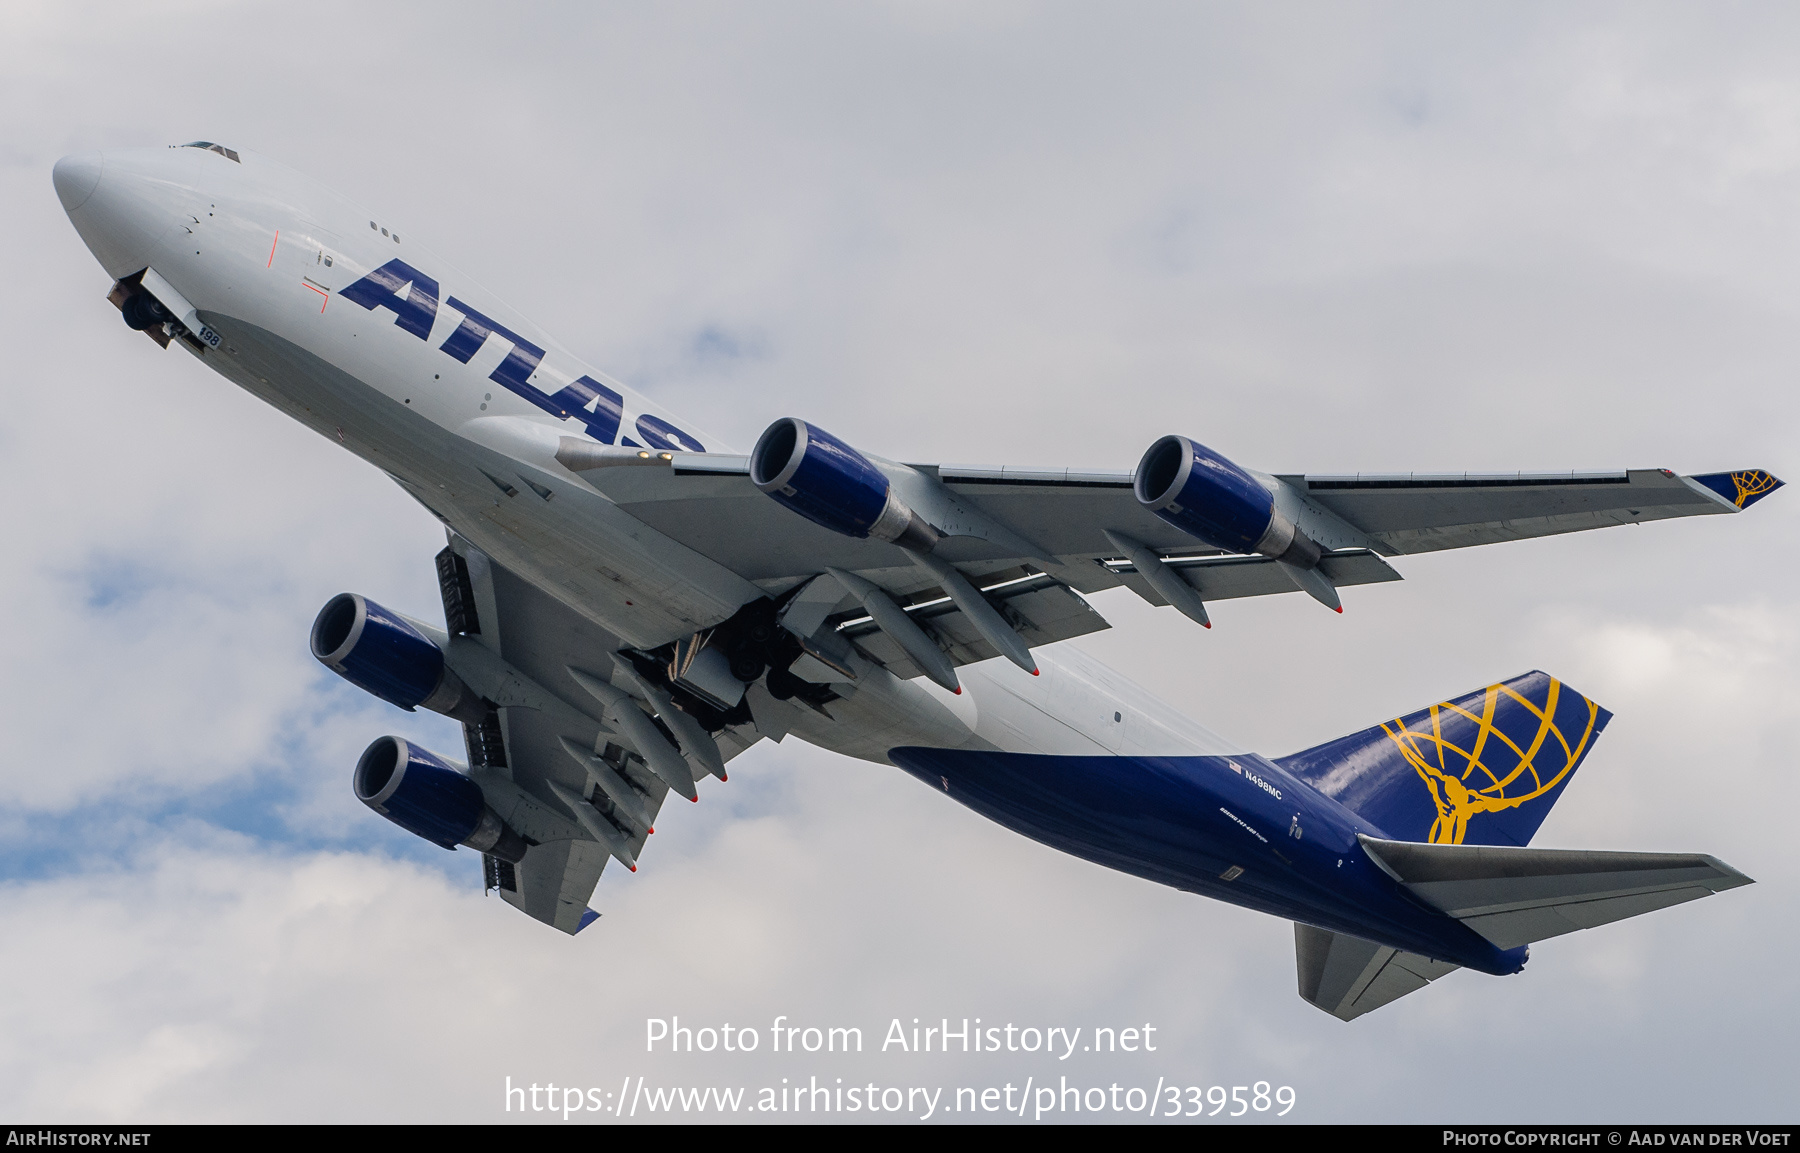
(1348, 976)
(1514, 896)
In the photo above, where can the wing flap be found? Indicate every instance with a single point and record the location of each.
(1219, 578)
(1040, 608)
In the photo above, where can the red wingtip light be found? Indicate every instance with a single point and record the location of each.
(1339, 610)
(633, 868)
(1034, 672)
(957, 690)
(694, 799)
(652, 830)
(723, 778)
(1207, 625)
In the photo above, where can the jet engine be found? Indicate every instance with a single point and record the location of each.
(378, 651)
(1208, 497)
(831, 484)
(421, 793)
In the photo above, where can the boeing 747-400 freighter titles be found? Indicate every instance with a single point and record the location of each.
(628, 605)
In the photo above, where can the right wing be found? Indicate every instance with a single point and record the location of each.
(706, 501)
(1031, 541)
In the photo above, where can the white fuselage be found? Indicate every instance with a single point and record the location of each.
(263, 254)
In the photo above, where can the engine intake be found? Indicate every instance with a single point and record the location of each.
(831, 484)
(1209, 497)
(376, 650)
(423, 794)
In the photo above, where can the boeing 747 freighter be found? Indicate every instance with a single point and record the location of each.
(628, 604)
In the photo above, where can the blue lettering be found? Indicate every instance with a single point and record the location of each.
(515, 372)
(519, 364)
(603, 422)
(660, 433)
(416, 311)
(381, 289)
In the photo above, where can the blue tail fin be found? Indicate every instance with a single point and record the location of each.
(1482, 769)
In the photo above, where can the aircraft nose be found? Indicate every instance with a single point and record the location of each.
(122, 203)
(76, 176)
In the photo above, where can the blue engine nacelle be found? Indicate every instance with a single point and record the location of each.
(376, 650)
(831, 484)
(1208, 497)
(423, 794)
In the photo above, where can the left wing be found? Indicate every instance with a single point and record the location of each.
(573, 774)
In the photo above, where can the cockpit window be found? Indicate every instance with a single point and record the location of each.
(211, 147)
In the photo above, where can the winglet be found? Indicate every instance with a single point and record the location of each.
(1743, 488)
(588, 917)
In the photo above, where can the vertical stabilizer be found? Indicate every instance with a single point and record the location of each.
(1482, 769)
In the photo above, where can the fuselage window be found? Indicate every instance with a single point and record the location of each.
(211, 147)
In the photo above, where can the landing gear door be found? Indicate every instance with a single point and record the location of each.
(185, 314)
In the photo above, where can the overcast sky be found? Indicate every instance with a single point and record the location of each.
(1320, 238)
